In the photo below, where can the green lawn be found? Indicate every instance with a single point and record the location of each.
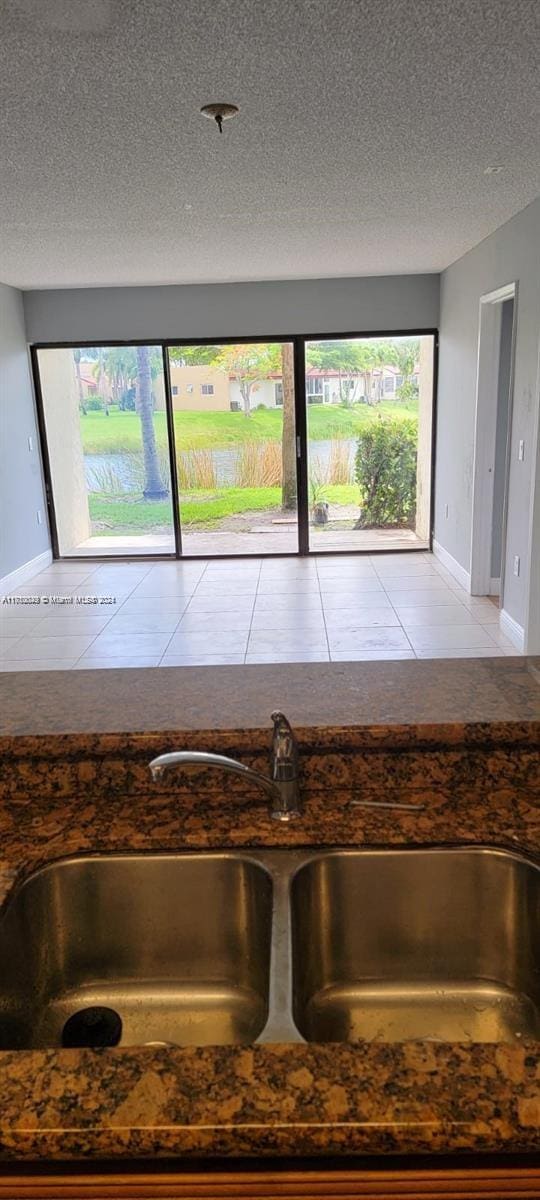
(121, 431)
(116, 516)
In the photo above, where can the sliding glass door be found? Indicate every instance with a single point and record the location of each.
(247, 448)
(234, 427)
(107, 444)
(369, 405)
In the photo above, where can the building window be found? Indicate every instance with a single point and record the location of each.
(278, 393)
(388, 385)
(189, 389)
(314, 389)
(207, 389)
(174, 390)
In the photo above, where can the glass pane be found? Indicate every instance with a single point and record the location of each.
(234, 425)
(369, 418)
(106, 430)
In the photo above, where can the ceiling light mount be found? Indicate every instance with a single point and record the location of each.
(219, 113)
(493, 169)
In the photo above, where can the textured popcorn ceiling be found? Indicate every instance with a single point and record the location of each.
(360, 148)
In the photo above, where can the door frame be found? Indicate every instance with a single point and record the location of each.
(485, 432)
(299, 342)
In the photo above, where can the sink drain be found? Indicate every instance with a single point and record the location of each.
(93, 1027)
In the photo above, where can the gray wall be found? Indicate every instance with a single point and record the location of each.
(501, 437)
(21, 486)
(510, 254)
(234, 309)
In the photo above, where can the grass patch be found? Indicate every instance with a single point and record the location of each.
(111, 516)
(121, 431)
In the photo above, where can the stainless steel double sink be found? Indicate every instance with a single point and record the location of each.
(276, 945)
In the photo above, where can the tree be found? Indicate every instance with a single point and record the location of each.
(407, 353)
(154, 488)
(99, 372)
(120, 364)
(195, 356)
(248, 365)
(80, 392)
(354, 361)
(344, 357)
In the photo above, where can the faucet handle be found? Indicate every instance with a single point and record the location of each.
(284, 761)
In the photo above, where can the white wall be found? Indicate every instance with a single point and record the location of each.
(375, 303)
(64, 444)
(21, 486)
(510, 254)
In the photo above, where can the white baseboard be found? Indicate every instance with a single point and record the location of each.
(513, 630)
(463, 577)
(15, 579)
(494, 587)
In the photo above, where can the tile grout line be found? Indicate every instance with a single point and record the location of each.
(401, 625)
(323, 610)
(255, 595)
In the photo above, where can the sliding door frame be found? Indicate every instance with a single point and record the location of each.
(299, 343)
(172, 453)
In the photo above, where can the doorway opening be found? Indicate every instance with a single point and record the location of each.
(492, 449)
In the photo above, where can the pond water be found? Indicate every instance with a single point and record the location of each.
(102, 470)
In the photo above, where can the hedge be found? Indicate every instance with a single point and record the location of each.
(385, 471)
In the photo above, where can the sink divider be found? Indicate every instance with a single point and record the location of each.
(280, 1026)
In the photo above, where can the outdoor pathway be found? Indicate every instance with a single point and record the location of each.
(268, 540)
(245, 611)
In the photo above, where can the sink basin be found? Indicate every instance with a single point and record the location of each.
(177, 945)
(274, 946)
(432, 944)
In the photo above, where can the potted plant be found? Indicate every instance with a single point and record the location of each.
(319, 504)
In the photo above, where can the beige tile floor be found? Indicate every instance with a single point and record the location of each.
(388, 606)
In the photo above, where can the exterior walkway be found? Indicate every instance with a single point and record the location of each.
(144, 614)
(270, 540)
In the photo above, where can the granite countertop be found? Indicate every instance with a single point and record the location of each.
(460, 737)
(372, 697)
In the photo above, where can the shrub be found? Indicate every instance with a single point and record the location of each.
(94, 404)
(407, 393)
(127, 400)
(385, 469)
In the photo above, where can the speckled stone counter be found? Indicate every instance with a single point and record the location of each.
(376, 697)
(459, 738)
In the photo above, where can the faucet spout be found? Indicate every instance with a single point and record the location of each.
(282, 784)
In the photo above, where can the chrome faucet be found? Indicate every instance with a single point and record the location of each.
(282, 783)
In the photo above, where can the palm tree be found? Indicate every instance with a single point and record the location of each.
(80, 390)
(102, 380)
(154, 488)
